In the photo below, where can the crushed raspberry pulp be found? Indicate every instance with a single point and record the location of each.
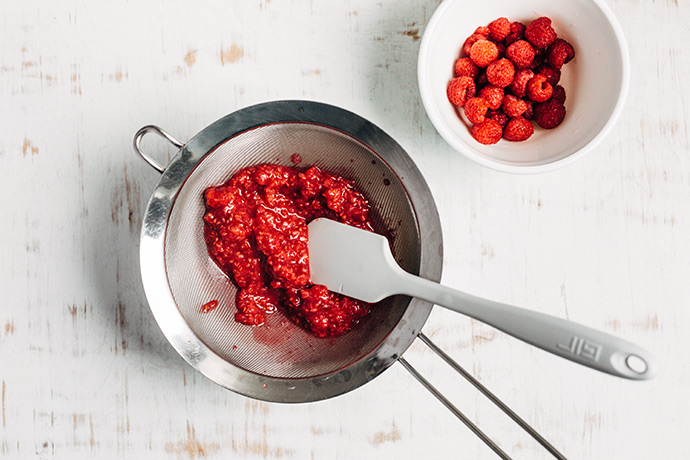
(255, 228)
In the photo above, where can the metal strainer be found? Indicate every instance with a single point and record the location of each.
(279, 361)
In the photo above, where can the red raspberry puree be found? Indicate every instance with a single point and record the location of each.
(255, 229)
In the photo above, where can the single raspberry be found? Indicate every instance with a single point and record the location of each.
(520, 53)
(520, 82)
(529, 113)
(517, 32)
(538, 89)
(560, 52)
(475, 109)
(513, 106)
(553, 76)
(500, 73)
(493, 95)
(558, 94)
(500, 117)
(460, 89)
(518, 129)
(487, 132)
(465, 67)
(540, 33)
(549, 114)
(471, 40)
(483, 53)
(483, 30)
(499, 29)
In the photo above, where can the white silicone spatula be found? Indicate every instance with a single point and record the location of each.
(359, 264)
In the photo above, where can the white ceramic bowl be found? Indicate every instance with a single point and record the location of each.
(596, 81)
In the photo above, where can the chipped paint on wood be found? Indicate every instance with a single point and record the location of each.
(232, 54)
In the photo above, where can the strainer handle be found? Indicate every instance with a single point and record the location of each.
(486, 392)
(164, 134)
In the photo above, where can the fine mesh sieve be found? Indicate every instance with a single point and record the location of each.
(280, 348)
(279, 361)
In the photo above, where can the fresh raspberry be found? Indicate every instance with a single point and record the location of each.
(513, 106)
(529, 113)
(483, 30)
(520, 53)
(499, 29)
(538, 89)
(487, 132)
(549, 114)
(540, 33)
(471, 40)
(500, 73)
(493, 95)
(560, 52)
(500, 117)
(553, 76)
(558, 94)
(475, 109)
(518, 129)
(517, 32)
(465, 67)
(520, 82)
(460, 89)
(483, 53)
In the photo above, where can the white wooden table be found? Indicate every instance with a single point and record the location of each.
(86, 373)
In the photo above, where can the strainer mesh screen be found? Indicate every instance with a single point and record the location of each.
(280, 348)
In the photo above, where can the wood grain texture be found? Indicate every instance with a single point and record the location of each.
(85, 371)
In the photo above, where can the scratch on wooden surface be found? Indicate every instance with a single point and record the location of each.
(386, 436)
(231, 55)
(4, 417)
(479, 337)
(614, 325)
(306, 73)
(488, 251)
(75, 310)
(130, 196)
(650, 323)
(191, 446)
(118, 76)
(190, 58)
(483, 337)
(76, 80)
(92, 438)
(28, 147)
(591, 423)
(412, 31)
(259, 448)
(120, 342)
(9, 327)
(254, 407)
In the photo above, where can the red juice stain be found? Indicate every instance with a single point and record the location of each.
(209, 306)
(386, 182)
(296, 158)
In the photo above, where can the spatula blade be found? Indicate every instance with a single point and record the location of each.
(350, 261)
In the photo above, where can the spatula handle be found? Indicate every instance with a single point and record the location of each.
(573, 341)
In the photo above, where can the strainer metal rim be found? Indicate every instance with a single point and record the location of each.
(159, 294)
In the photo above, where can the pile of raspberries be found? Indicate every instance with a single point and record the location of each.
(507, 75)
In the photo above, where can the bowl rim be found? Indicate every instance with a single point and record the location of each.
(453, 141)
